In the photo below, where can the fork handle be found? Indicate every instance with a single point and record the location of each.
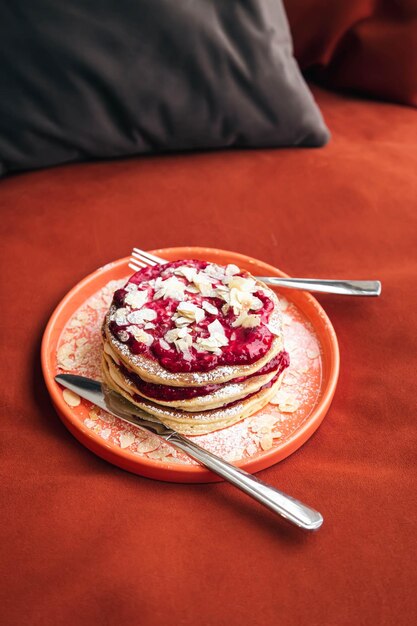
(341, 287)
(291, 509)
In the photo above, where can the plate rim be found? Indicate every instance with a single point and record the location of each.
(176, 472)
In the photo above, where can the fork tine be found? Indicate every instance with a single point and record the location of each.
(135, 267)
(141, 254)
(140, 259)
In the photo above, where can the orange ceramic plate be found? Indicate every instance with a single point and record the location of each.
(71, 343)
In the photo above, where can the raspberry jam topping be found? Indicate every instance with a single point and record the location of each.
(193, 316)
(139, 398)
(169, 394)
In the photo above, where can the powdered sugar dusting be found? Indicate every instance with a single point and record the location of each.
(79, 352)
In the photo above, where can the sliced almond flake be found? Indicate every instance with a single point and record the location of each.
(241, 300)
(140, 335)
(210, 344)
(289, 406)
(65, 351)
(93, 415)
(106, 417)
(215, 271)
(182, 321)
(164, 344)
(71, 398)
(210, 308)
(256, 304)
(251, 449)
(170, 288)
(191, 311)
(105, 433)
(232, 269)
(141, 316)
(80, 319)
(265, 419)
(176, 333)
(149, 326)
(171, 335)
(148, 445)
(225, 309)
(183, 347)
(136, 299)
(264, 430)
(120, 316)
(207, 291)
(246, 320)
(192, 289)
(160, 454)
(131, 287)
(291, 379)
(266, 442)
(274, 329)
(95, 303)
(313, 353)
(126, 439)
(280, 396)
(276, 434)
(215, 328)
(242, 284)
(222, 287)
(186, 271)
(89, 423)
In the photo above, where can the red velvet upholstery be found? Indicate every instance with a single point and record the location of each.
(365, 45)
(84, 543)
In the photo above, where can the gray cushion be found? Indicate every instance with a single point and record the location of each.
(90, 79)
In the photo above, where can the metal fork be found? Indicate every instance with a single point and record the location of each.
(140, 259)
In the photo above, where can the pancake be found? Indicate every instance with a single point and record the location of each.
(195, 344)
(201, 422)
(225, 394)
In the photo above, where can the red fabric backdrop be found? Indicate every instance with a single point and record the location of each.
(365, 45)
(84, 543)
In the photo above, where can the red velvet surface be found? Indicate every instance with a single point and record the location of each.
(84, 543)
(365, 45)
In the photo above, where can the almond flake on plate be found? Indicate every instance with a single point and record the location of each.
(149, 444)
(289, 407)
(126, 439)
(313, 353)
(251, 448)
(286, 403)
(71, 398)
(266, 441)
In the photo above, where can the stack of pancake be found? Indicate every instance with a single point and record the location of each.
(197, 345)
